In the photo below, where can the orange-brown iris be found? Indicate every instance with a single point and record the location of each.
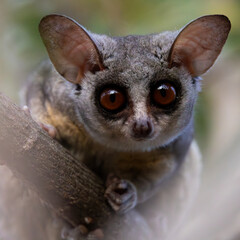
(164, 94)
(112, 99)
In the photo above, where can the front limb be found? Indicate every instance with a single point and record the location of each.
(142, 175)
(164, 211)
(137, 178)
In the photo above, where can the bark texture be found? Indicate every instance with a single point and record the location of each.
(65, 184)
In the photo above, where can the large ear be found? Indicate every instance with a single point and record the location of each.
(198, 45)
(70, 48)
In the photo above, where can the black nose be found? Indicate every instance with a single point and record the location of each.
(142, 129)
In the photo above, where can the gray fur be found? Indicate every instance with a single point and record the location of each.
(158, 166)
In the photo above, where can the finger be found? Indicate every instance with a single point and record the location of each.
(131, 203)
(97, 233)
(51, 130)
(111, 178)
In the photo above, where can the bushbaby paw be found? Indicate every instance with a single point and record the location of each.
(74, 233)
(81, 232)
(51, 130)
(121, 194)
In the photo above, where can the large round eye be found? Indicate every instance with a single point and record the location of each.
(164, 94)
(112, 99)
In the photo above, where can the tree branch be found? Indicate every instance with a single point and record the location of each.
(61, 181)
(64, 183)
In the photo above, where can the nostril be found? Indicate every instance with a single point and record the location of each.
(142, 129)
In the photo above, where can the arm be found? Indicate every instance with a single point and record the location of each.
(141, 175)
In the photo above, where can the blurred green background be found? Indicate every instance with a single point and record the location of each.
(218, 109)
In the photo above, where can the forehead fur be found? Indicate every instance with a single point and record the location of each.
(121, 51)
(137, 58)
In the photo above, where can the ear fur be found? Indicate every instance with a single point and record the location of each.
(198, 45)
(70, 47)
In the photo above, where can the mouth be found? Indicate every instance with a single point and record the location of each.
(141, 138)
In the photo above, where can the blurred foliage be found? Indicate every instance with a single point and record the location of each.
(22, 49)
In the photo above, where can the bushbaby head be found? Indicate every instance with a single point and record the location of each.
(134, 92)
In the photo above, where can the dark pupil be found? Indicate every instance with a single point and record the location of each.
(112, 97)
(163, 90)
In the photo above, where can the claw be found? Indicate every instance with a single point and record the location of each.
(26, 109)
